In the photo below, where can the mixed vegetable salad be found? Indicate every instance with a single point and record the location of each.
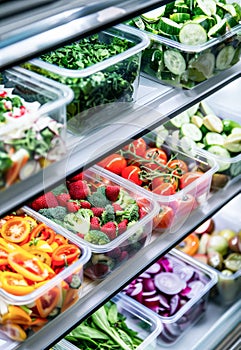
(180, 54)
(27, 142)
(115, 83)
(32, 254)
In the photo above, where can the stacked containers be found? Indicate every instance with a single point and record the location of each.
(104, 79)
(109, 249)
(190, 43)
(36, 285)
(33, 124)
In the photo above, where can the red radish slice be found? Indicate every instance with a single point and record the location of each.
(169, 283)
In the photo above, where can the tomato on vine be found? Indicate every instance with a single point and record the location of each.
(157, 157)
(132, 173)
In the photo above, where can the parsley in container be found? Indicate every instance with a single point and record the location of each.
(191, 41)
(102, 70)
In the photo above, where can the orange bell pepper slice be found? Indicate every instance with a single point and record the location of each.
(14, 283)
(28, 265)
(42, 231)
(16, 229)
(3, 255)
(65, 254)
(16, 315)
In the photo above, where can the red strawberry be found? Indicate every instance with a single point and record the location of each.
(109, 229)
(124, 255)
(76, 177)
(112, 192)
(142, 212)
(122, 226)
(78, 190)
(97, 211)
(114, 253)
(85, 204)
(94, 223)
(117, 207)
(62, 198)
(48, 200)
(72, 207)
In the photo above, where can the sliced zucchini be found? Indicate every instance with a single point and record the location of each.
(222, 153)
(174, 61)
(233, 143)
(213, 123)
(213, 138)
(154, 15)
(188, 145)
(168, 26)
(193, 110)
(180, 119)
(192, 131)
(196, 120)
(218, 29)
(161, 135)
(225, 57)
(236, 130)
(192, 33)
(205, 108)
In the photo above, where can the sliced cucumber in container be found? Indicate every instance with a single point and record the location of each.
(192, 33)
(213, 138)
(213, 123)
(222, 153)
(206, 7)
(188, 145)
(180, 119)
(154, 15)
(197, 120)
(191, 131)
(174, 61)
(225, 57)
(204, 63)
(169, 26)
(161, 135)
(233, 142)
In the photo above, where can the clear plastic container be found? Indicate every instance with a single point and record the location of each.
(174, 208)
(187, 65)
(108, 255)
(27, 309)
(40, 129)
(102, 89)
(189, 308)
(138, 318)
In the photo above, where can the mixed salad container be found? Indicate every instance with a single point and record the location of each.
(103, 71)
(109, 216)
(217, 243)
(121, 323)
(178, 182)
(190, 41)
(32, 124)
(41, 274)
(176, 288)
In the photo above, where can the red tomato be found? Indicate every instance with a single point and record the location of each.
(165, 189)
(189, 177)
(114, 163)
(131, 173)
(137, 146)
(164, 219)
(157, 158)
(178, 165)
(157, 181)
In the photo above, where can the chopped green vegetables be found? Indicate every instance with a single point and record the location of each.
(105, 329)
(116, 83)
(183, 56)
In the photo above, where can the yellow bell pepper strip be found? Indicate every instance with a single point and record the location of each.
(33, 223)
(42, 256)
(14, 283)
(15, 230)
(16, 315)
(47, 302)
(28, 265)
(37, 244)
(3, 255)
(14, 332)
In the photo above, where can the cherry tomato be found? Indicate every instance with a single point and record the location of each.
(189, 245)
(65, 254)
(157, 157)
(157, 181)
(179, 166)
(137, 147)
(16, 229)
(164, 219)
(48, 301)
(131, 173)
(189, 177)
(165, 189)
(114, 163)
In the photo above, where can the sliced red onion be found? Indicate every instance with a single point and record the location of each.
(137, 292)
(196, 288)
(165, 264)
(184, 272)
(153, 269)
(152, 302)
(174, 304)
(148, 284)
(169, 283)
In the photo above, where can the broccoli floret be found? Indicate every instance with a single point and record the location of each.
(98, 198)
(60, 189)
(78, 221)
(124, 198)
(56, 214)
(97, 237)
(108, 214)
(131, 213)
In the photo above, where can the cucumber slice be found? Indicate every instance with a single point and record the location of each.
(236, 130)
(180, 17)
(218, 29)
(191, 131)
(205, 21)
(161, 135)
(196, 120)
(229, 125)
(225, 57)
(193, 110)
(213, 138)
(154, 15)
(233, 143)
(180, 119)
(213, 123)
(188, 145)
(192, 34)
(204, 63)
(207, 7)
(221, 152)
(205, 108)
(228, 8)
(174, 61)
(168, 26)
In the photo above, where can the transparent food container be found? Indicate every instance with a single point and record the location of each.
(178, 182)
(33, 124)
(114, 229)
(37, 284)
(219, 245)
(137, 318)
(209, 44)
(104, 86)
(176, 288)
